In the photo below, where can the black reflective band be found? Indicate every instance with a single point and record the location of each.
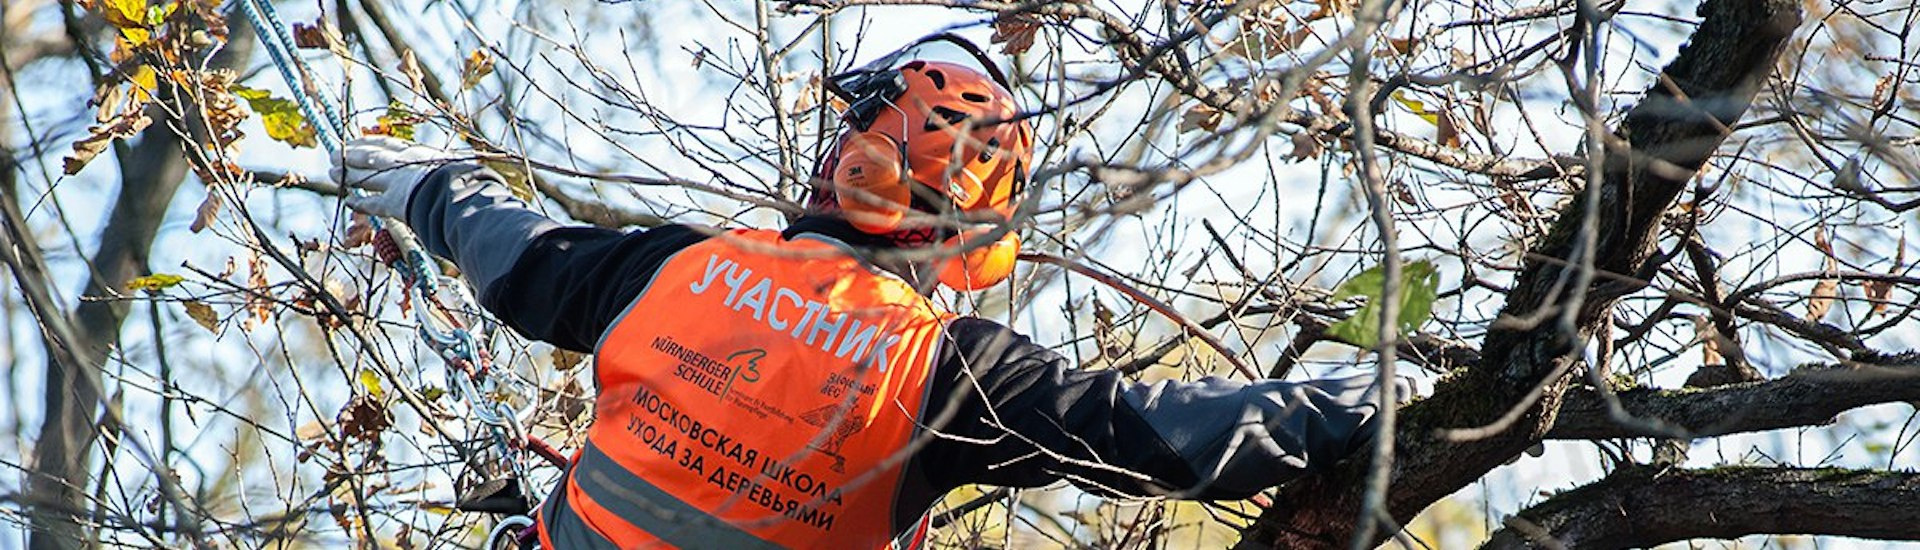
(649, 508)
(565, 528)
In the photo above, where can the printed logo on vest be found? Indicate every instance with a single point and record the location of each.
(714, 376)
(844, 425)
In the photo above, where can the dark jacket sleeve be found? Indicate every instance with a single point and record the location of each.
(1008, 412)
(559, 284)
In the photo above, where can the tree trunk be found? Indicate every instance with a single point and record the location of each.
(152, 170)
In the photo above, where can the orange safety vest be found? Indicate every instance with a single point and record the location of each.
(759, 392)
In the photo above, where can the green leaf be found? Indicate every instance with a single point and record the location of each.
(1418, 285)
(399, 121)
(155, 282)
(159, 14)
(281, 117)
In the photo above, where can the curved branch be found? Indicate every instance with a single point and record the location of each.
(1807, 397)
(1641, 507)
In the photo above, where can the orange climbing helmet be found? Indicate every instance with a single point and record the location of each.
(938, 138)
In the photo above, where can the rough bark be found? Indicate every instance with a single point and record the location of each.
(1644, 506)
(1807, 397)
(152, 169)
(1671, 132)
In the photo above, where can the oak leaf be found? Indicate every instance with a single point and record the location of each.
(1015, 33)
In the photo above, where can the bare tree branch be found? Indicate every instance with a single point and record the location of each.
(1644, 506)
(1680, 122)
(1807, 397)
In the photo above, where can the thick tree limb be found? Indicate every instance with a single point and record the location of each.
(1807, 397)
(1643, 507)
(1526, 358)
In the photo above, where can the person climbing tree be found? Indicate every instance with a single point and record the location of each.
(799, 388)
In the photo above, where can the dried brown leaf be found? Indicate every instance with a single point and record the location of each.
(309, 36)
(202, 314)
(1015, 33)
(208, 210)
(567, 360)
(1882, 91)
(364, 418)
(1403, 46)
(1881, 292)
(478, 65)
(257, 301)
(359, 232)
(1447, 132)
(1877, 292)
(1709, 339)
(410, 66)
(1201, 117)
(1305, 146)
(310, 431)
(1821, 300)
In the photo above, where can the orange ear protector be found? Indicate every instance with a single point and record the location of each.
(909, 127)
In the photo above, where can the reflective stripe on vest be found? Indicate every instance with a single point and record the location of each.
(758, 391)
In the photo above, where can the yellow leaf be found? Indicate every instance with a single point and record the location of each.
(281, 117)
(1418, 108)
(203, 314)
(1822, 298)
(515, 176)
(124, 13)
(155, 282)
(136, 36)
(145, 81)
(371, 381)
(478, 65)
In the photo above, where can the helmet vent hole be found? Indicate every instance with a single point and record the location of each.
(993, 146)
(914, 65)
(949, 116)
(939, 79)
(975, 97)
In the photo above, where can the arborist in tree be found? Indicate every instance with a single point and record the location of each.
(798, 388)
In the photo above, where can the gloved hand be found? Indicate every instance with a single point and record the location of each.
(388, 168)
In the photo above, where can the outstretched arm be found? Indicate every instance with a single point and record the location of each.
(560, 284)
(1018, 414)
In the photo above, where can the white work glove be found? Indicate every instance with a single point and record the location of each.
(388, 169)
